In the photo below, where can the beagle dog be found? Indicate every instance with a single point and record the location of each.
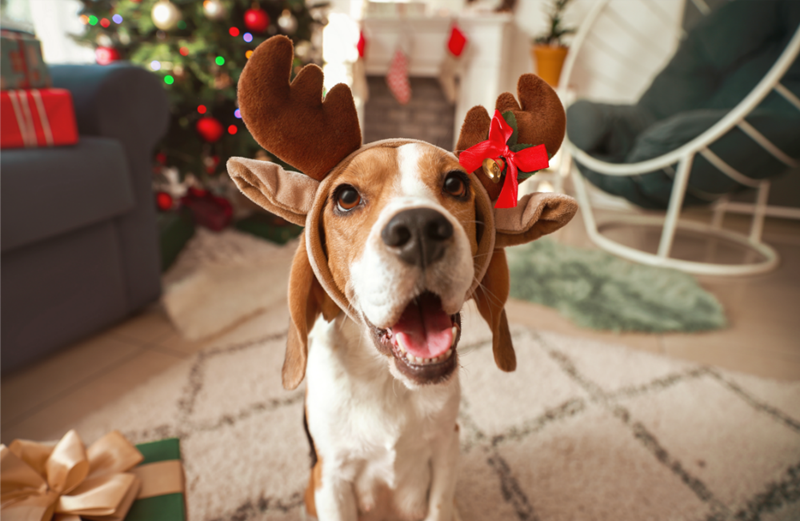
(398, 236)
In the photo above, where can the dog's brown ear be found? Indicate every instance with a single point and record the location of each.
(536, 214)
(491, 298)
(288, 194)
(307, 300)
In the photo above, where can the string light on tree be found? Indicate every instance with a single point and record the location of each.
(165, 15)
(197, 48)
(214, 9)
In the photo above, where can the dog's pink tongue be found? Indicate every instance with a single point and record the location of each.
(425, 329)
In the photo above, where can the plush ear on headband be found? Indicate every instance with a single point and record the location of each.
(307, 300)
(535, 215)
(288, 194)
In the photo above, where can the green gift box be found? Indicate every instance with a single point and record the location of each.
(164, 507)
(21, 62)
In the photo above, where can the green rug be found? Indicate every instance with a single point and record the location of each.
(597, 290)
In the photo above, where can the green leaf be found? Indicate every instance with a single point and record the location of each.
(520, 146)
(521, 176)
(511, 119)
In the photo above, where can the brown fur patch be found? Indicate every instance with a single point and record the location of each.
(491, 299)
(314, 484)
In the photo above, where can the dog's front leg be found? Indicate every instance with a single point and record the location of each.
(335, 499)
(443, 483)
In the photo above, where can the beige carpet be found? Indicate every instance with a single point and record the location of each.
(221, 278)
(582, 431)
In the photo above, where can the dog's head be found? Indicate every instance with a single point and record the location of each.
(398, 234)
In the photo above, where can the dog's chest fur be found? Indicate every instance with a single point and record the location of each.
(370, 429)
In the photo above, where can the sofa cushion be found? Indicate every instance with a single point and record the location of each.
(50, 191)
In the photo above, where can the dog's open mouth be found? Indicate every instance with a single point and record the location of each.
(423, 340)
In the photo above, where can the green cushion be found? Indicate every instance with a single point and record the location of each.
(716, 66)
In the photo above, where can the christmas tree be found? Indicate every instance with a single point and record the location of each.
(199, 49)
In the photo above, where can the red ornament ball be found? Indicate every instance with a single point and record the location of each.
(106, 55)
(256, 20)
(210, 129)
(164, 201)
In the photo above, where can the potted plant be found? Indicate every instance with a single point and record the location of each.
(549, 51)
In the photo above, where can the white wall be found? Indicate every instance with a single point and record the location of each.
(54, 20)
(614, 66)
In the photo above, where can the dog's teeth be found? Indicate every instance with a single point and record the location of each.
(400, 345)
(455, 332)
(448, 353)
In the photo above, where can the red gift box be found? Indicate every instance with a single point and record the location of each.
(37, 118)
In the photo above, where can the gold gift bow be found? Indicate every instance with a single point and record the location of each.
(39, 481)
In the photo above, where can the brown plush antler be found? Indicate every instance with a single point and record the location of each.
(291, 120)
(540, 120)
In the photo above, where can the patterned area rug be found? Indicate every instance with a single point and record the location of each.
(597, 290)
(581, 430)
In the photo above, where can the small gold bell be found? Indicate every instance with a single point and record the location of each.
(493, 169)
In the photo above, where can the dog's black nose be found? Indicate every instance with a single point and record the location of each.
(419, 236)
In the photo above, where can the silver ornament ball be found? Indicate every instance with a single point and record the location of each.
(287, 22)
(214, 10)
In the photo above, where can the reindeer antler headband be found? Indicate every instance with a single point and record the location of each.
(294, 123)
(320, 137)
(291, 120)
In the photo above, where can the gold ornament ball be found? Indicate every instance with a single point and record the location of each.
(103, 40)
(303, 49)
(165, 15)
(287, 22)
(214, 10)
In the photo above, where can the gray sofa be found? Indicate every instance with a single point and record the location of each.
(79, 235)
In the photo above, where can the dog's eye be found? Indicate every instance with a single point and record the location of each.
(455, 185)
(347, 198)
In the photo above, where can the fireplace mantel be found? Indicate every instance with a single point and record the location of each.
(485, 64)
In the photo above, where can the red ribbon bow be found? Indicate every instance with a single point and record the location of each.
(528, 160)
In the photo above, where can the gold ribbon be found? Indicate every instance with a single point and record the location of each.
(65, 481)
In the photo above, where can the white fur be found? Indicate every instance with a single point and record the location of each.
(372, 427)
(370, 430)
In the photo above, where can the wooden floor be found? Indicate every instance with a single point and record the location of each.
(763, 339)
